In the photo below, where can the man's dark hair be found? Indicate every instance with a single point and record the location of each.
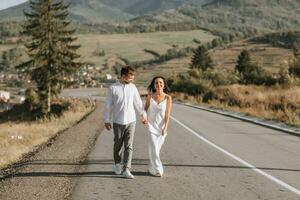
(125, 70)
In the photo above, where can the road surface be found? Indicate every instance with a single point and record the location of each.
(206, 156)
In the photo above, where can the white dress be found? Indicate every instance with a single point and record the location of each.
(156, 115)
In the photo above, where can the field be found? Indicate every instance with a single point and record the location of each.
(128, 46)
(131, 46)
(271, 58)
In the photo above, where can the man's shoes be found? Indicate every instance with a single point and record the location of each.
(118, 169)
(127, 174)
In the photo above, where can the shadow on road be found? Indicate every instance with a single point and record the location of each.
(110, 174)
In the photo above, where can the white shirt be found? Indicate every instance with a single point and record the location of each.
(120, 102)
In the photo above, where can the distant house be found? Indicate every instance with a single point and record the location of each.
(108, 76)
(4, 96)
(4, 100)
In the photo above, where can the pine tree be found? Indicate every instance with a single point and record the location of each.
(50, 49)
(294, 68)
(201, 59)
(243, 62)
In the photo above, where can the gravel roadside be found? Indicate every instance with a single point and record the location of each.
(51, 172)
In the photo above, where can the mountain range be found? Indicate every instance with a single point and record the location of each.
(97, 11)
(262, 15)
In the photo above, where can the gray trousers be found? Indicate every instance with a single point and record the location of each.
(123, 135)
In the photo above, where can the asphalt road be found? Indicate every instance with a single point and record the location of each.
(206, 156)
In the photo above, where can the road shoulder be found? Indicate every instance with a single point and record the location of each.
(50, 172)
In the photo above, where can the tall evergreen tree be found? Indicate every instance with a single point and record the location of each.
(243, 62)
(50, 49)
(294, 68)
(201, 59)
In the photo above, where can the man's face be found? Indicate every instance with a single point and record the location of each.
(129, 77)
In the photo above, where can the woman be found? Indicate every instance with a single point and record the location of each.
(158, 107)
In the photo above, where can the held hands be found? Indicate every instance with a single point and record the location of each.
(144, 120)
(108, 126)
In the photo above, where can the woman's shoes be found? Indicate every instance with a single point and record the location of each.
(155, 175)
(158, 175)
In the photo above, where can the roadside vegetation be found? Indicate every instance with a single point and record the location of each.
(51, 60)
(246, 87)
(23, 131)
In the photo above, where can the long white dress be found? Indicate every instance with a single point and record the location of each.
(156, 115)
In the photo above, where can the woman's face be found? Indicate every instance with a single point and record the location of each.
(159, 84)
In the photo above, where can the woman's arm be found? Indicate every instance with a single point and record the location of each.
(147, 104)
(167, 114)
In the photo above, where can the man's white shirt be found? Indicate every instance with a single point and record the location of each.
(120, 102)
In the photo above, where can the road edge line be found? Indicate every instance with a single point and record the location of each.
(250, 166)
(278, 128)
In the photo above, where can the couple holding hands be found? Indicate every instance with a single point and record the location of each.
(119, 114)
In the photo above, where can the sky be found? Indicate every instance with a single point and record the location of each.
(8, 3)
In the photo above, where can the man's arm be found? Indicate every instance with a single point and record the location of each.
(108, 109)
(138, 104)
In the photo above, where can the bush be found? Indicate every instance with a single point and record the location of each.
(32, 98)
(255, 74)
(189, 84)
(284, 77)
(221, 77)
(294, 68)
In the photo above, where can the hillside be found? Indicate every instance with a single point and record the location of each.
(91, 11)
(264, 15)
(97, 11)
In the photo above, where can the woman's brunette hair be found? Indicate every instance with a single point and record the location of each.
(151, 87)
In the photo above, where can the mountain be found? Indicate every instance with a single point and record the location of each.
(231, 14)
(95, 11)
(140, 7)
(92, 11)
(262, 15)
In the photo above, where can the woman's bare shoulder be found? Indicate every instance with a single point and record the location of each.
(168, 97)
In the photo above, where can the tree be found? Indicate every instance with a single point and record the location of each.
(50, 49)
(5, 60)
(294, 68)
(201, 59)
(243, 62)
(251, 73)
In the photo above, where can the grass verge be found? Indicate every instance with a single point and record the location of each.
(18, 138)
(272, 103)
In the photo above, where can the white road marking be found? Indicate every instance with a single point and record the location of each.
(276, 180)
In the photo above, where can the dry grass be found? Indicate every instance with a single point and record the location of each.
(131, 46)
(272, 58)
(145, 75)
(17, 139)
(274, 103)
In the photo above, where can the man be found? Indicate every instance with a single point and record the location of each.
(122, 97)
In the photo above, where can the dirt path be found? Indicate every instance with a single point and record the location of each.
(49, 174)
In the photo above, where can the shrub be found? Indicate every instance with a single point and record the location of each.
(255, 74)
(32, 98)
